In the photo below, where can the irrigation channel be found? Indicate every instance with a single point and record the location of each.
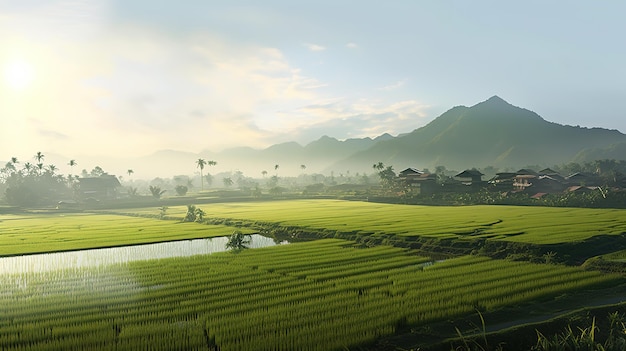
(47, 262)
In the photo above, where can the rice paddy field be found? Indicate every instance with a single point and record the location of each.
(320, 295)
(21, 234)
(537, 225)
(326, 294)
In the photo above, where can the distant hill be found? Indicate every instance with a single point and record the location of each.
(491, 133)
(316, 156)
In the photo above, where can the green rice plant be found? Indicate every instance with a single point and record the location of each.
(266, 299)
(537, 225)
(48, 233)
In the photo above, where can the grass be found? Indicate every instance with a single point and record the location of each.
(48, 233)
(537, 225)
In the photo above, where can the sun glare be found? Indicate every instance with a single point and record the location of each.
(18, 74)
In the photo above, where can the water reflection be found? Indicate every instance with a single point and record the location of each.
(101, 257)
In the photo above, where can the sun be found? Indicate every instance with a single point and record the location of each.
(18, 74)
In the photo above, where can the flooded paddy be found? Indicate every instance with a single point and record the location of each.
(47, 262)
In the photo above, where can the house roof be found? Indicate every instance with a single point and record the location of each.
(548, 171)
(553, 178)
(526, 171)
(105, 180)
(505, 175)
(579, 175)
(469, 173)
(410, 171)
(576, 188)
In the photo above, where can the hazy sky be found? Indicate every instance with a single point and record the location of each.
(130, 77)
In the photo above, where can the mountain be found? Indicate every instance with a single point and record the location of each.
(615, 151)
(490, 133)
(316, 156)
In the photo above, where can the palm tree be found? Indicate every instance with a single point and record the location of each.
(39, 156)
(72, 163)
(14, 160)
(302, 167)
(28, 167)
(130, 171)
(201, 163)
(264, 173)
(52, 169)
(276, 166)
(379, 166)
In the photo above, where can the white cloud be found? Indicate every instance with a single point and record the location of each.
(394, 86)
(314, 47)
(344, 118)
(352, 46)
(133, 91)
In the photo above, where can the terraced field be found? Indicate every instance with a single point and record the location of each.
(47, 233)
(538, 225)
(321, 295)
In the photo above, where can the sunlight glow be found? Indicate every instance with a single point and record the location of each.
(18, 74)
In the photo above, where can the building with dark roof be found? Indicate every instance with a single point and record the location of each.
(100, 188)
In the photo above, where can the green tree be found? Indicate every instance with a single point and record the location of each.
(238, 241)
(72, 163)
(28, 168)
(163, 212)
(132, 192)
(156, 191)
(190, 216)
(39, 157)
(194, 214)
(51, 169)
(181, 190)
(228, 182)
(97, 171)
(209, 179)
(387, 178)
(200, 163)
(379, 166)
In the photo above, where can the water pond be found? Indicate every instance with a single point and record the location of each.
(101, 257)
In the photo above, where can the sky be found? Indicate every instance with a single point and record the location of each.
(111, 78)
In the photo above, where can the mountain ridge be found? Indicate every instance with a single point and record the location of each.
(490, 133)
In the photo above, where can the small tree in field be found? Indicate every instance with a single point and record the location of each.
(156, 191)
(163, 212)
(194, 214)
(190, 216)
(238, 241)
(181, 190)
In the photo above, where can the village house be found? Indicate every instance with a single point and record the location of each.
(99, 188)
(418, 181)
(470, 177)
